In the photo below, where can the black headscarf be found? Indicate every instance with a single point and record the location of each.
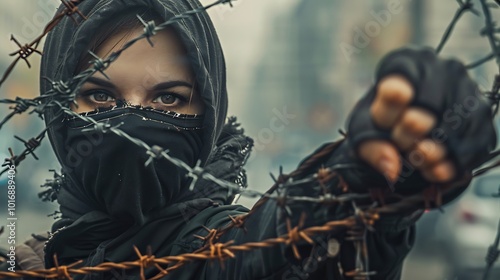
(66, 42)
(102, 225)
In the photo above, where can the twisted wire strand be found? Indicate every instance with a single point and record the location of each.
(72, 86)
(25, 51)
(64, 92)
(215, 251)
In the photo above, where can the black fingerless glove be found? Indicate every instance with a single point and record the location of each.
(443, 87)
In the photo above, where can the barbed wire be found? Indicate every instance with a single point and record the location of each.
(466, 6)
(490, 31)
(212, 250)
(63, 93)
(26, 50)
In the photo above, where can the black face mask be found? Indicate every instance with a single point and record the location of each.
(107, 172)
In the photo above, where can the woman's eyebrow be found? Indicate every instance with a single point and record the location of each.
(100, 82)
(171, 84)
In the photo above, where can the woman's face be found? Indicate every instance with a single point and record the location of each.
(158, 76)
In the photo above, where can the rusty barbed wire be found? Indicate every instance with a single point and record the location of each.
(211, 251)
(26, 50)
(63, 93)
(150, 29)
(68, 89)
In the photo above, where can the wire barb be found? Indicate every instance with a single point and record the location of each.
(62, 94)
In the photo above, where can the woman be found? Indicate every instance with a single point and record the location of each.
(173, 95)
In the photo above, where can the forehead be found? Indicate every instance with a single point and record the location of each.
(166, 56)
(165, 43)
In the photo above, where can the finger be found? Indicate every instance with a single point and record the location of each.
(441, 172)
(382, 156)
(394, 93)
(429, 151)
(415, 123)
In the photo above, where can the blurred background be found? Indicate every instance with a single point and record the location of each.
(295, 69)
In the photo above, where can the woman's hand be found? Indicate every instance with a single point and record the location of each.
(409, 126)
(426, 112)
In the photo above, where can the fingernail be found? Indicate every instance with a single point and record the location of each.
(389, 169)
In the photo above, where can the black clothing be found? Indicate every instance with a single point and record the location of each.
(99, 183)
(101, 223)
(387, 246)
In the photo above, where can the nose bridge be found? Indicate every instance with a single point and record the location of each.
(136, 87)
(135, 95)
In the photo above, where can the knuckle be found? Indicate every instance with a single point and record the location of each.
(410, 120)
(386, 151)
(417, 121)
(395, 90)
(432, 152)
(403, 140)
(427, 151)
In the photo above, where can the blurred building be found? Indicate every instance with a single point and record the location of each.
(293, 79)
(316, 60)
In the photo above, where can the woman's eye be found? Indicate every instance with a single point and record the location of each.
(101, 97)
(169, 99)
(97, 96)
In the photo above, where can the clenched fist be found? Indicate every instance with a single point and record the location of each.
(426, 112)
